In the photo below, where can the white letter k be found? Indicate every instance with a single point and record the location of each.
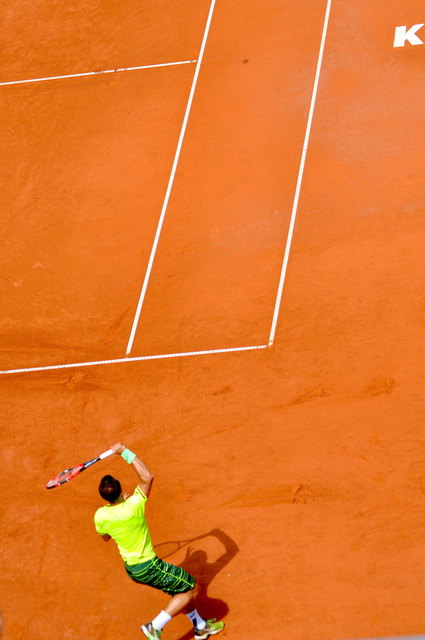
(402, 35)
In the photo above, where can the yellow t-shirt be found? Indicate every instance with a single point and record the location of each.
(126, 524)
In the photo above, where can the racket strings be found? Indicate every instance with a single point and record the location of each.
(68, 473)
(64, 476)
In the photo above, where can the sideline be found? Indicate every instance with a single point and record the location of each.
(300, 177)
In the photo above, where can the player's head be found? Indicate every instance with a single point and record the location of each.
(110, 488)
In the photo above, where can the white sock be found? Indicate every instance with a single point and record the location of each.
(196, 619)
(161, 620)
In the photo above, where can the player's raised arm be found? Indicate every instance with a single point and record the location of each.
(144, 474)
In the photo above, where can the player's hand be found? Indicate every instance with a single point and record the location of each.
(118, 448)
(189, 552)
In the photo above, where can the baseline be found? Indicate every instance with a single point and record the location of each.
(97, 73)
(163, 356)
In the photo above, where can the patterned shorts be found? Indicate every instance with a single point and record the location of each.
(161, 575)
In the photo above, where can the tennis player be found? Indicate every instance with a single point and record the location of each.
(123, 520)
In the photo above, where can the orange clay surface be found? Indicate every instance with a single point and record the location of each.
(298, 468)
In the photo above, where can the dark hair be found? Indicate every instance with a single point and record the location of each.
(110, 488)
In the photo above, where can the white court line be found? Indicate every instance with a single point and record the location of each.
(300, 177)
(285, 260)
(97, 73)
(92, 363)
(171, 180)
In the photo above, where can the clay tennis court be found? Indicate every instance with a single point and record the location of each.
(212, 250)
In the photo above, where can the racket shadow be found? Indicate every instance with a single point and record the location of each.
(196, 562)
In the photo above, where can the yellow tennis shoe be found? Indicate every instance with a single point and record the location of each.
(212, 627)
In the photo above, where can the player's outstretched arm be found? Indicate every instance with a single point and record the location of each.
(144, 474)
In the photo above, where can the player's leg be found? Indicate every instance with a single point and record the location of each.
(183, 588)
(178, 603)
(183, 603)
(202, 628)
(177, 583)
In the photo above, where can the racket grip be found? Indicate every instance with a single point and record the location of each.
(105, 454)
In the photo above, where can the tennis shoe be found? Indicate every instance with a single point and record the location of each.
(212, 627)
(152, 633)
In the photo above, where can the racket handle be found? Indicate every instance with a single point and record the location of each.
(105, 454)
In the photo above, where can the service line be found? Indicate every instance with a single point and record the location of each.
(93, 363)
(170, 181)
(97, 73)
(300, 177)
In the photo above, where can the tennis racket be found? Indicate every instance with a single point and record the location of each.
(70, 473)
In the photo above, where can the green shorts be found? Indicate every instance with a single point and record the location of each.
(161, 575)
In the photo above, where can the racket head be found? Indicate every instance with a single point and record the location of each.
(64, 476)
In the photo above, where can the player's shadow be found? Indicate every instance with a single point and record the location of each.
(196, 563)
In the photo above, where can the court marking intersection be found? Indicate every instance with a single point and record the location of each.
(278, 301)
